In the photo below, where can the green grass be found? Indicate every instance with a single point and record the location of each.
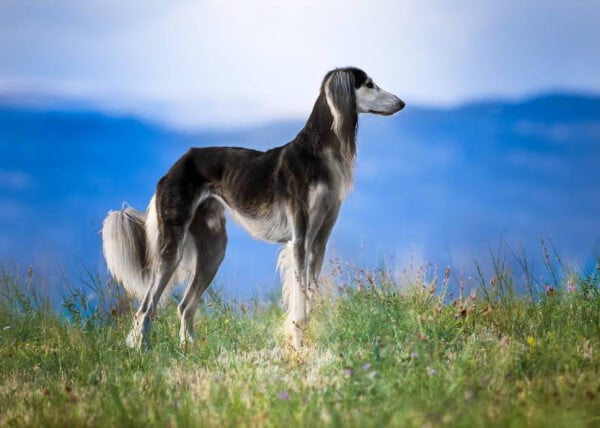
(378, 354)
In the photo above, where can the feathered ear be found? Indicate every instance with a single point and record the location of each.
(341, 99)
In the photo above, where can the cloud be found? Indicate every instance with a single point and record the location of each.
(213, 62)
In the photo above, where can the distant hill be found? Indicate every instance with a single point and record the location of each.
(442, 184)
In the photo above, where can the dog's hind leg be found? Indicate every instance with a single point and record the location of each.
(175, 203)
(210, 238)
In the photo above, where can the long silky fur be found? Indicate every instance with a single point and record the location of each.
(341, 99)
(130, 246)
(124, 246)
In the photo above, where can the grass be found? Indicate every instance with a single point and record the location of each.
(380, 352)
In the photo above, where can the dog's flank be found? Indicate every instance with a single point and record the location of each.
(289, 195)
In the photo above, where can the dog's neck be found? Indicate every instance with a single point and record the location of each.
(318, 134)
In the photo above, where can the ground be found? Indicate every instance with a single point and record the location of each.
(379, 353)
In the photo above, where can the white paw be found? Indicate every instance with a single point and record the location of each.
(186, 338)
(133, 340)
(139, 335)
(295, 335)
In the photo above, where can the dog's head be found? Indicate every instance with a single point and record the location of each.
(350, 91)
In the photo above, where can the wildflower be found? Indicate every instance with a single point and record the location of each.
(284, 395)
(372, 374)
(549, 290)
(531, 341)
(348, 372)
(571, 288)
(366, 366)
(414, 355)
(431, 372)
(325, 416)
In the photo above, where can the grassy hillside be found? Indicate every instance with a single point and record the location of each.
(381, 353)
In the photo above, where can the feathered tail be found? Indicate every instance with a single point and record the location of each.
(130, 245)
(125, 249)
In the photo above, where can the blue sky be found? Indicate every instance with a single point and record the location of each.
(213, 63)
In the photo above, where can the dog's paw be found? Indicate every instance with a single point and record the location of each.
(295, 335)
(133, 340)
(137, 340)
(186, 339)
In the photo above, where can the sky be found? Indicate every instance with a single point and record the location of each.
(221, 62)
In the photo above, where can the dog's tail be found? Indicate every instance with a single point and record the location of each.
(125, 247)
(130, 245)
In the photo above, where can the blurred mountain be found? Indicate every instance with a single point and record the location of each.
(445, 185)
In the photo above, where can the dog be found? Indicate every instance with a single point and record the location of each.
(288, 195)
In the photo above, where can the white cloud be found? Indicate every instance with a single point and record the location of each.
(225, 61)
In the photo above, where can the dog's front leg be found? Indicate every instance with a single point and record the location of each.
(297, 313)
(297, 310)
(323, 213)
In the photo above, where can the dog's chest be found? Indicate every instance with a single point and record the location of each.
(340, 175)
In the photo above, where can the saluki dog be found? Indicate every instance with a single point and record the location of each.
(289, 195)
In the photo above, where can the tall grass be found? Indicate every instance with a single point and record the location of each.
(416, 351)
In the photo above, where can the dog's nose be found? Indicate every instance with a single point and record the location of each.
(400, 104)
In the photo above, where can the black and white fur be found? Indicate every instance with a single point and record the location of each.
(289, 195)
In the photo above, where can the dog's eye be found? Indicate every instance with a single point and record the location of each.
(369, 84)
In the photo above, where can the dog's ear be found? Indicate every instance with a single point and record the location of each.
(341, 99)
